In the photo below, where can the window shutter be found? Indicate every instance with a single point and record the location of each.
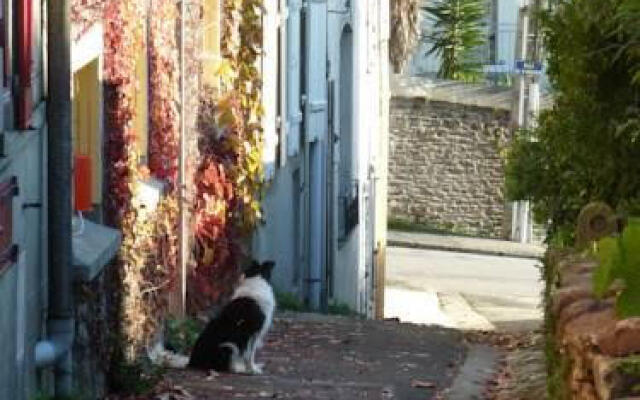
(294, 74)
(316, 70)
(24, 58)
(270, 88)
(283, 126)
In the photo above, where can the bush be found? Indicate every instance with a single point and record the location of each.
(586, 148)
(620, 260)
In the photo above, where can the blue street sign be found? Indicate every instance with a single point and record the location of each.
(528, 67)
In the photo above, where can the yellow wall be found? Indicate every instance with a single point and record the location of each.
(87, 137)
(211, 41)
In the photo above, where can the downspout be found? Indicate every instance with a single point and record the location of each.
(56, 349)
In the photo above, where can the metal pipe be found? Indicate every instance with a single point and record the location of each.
(59, 171)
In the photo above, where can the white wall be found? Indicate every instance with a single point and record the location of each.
(354, 258)
(345, 256)
(280, 235)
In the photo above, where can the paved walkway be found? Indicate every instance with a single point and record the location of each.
(323, 357)
(464, 244)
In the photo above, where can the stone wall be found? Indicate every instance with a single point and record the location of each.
(445, 170)
(592, 355)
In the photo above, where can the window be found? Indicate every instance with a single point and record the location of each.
(86, 131)
(141, 121)
(211, 42)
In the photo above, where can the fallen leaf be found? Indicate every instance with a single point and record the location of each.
(422, 384)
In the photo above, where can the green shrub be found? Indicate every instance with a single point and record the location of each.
(337, 308)
(289, 302)
(619, 258)
(181, 334)
(136, 378)
(586, 148)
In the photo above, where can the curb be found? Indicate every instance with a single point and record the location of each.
(478, 368)
(489, 252)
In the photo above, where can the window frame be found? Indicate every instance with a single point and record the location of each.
(88, 49)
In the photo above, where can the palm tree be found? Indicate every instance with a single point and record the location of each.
(404, 31)
(457, 36)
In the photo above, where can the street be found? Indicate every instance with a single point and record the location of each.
(462, 290)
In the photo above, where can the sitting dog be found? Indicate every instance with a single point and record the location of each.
(230, 340)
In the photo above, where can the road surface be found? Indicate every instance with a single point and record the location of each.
(461, 290)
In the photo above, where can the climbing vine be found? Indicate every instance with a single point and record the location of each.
(147, 257)
(229, 178)
(164, 147)
(164, 78)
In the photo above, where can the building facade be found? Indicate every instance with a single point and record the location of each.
(23, 244)
(324, 215)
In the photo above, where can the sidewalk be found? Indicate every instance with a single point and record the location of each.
(463, 244)
(327, 357)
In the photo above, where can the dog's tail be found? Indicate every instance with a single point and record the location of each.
(165, 358)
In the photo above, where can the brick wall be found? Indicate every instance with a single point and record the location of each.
(444, 166)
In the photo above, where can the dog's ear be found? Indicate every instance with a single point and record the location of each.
(266, 268)
(252, 270)
(268, 265)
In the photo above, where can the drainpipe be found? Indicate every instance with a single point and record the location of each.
(56, 349)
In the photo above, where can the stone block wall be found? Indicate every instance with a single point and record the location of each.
(445, 169)
(592, 355)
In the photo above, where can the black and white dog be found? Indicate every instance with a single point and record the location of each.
(230, 340)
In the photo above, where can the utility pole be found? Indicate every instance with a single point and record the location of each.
(526, 100)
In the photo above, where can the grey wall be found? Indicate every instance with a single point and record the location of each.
(279, 238)
(23, 285)
(444, 166)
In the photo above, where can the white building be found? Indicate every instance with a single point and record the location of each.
(326, 91)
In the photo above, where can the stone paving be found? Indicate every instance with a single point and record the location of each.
(326, 357)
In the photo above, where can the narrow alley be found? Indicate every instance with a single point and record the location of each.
(319, 199)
